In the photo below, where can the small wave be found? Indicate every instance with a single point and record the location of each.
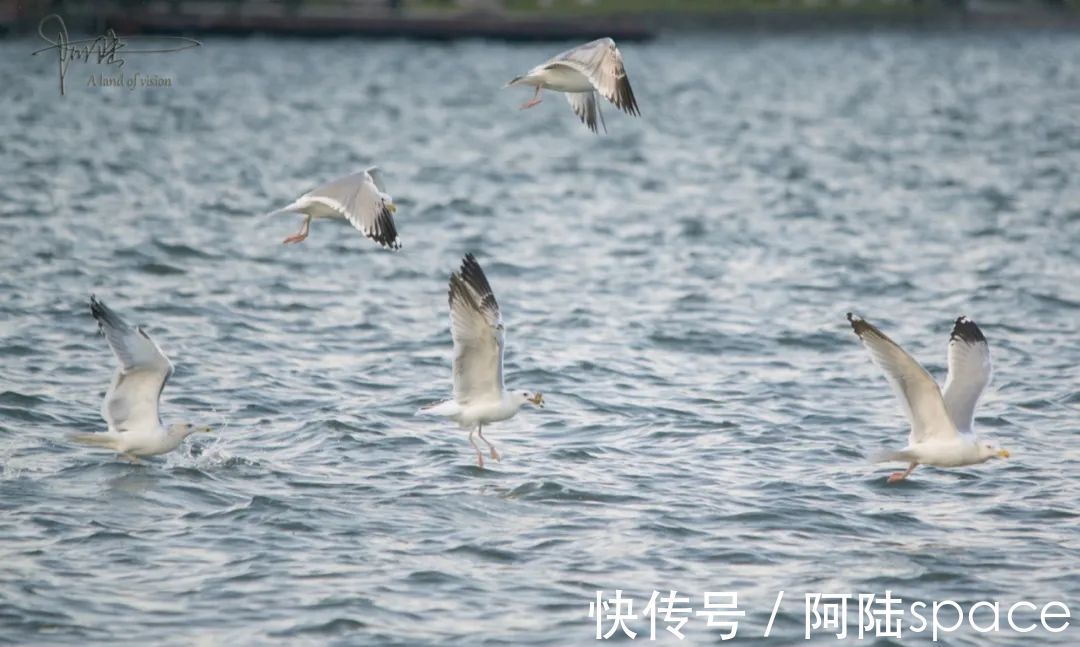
(487, 553)
(334, 627)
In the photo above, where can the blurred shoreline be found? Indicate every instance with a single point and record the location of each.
(528, 20)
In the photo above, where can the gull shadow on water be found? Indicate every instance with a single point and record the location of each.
(475, 471)
(880, 481)
(135, 480)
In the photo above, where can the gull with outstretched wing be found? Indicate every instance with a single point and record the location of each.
(479, 339)
(582, 73)
(941, 425)
(131, 404)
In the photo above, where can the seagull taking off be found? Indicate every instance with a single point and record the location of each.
(479, 339)
(941, 424)
(581, 73)
(360, 198)
(131, 403)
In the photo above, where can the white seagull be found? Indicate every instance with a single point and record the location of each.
(131, 403)
(479, 339)
(360, 198)
(941, 424)
(581, 73)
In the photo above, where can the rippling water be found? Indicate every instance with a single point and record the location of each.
(676, 289)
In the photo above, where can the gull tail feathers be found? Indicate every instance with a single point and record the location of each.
(92, 439)
(444, 408)
(291, 209)
(514, 81)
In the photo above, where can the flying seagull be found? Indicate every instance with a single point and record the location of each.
(581, 73)
(479, 340)
(360, 198)
(131, 403)
(941, 424)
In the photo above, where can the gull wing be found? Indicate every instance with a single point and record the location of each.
(377, 177)
(133, 396)
(602, 63)
(586, 108)
(969, 372)
(479, 336)
(914, 387)
(357, 198)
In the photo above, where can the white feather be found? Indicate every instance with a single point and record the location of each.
(970, 372)
(916, 390)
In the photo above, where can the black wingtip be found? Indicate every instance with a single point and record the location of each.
(99, 312)
(385, 231)
(97, 308)
(965, 329)
(860, 325)
(473, 275)
(104, 315)
(629, 101)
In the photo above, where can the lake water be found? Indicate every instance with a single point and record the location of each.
(676, 289)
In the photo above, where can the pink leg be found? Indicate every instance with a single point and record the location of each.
(532, 102)
(300, 235)
(494, 454)
(479, 456)
(900, 476)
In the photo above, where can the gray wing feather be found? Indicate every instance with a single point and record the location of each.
(914, 387)
(970, 372)
(134, 393)
(587, 109)
(478, 333)
(601, 61)
(376, 177)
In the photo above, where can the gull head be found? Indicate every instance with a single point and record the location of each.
(991, 450)
(184, 429)
(535, 399)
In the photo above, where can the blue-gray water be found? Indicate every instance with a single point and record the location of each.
(676, 289)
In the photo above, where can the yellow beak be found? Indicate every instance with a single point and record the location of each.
(392, 207)
(205, 430)
(538, 400)
(1004, 453)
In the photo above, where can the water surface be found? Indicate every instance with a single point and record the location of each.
(676, 289)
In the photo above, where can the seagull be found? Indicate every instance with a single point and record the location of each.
(131, 403)
(360, 198)
(942, 432)
(581, 73)
(479, 340)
